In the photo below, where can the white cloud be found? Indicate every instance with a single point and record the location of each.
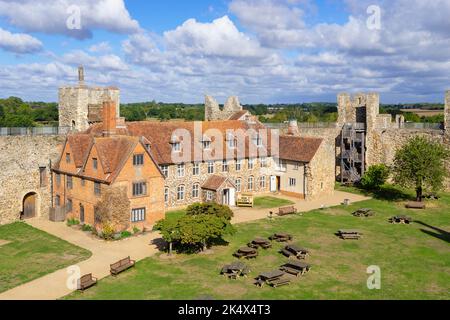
(219, 38)
(50, 16)
(100, 47)
(109, 62)
(19, 42)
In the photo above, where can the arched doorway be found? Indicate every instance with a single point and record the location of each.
(29, 206)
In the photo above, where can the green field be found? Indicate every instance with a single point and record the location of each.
(29, 253)
(414, 260)
(270, 202)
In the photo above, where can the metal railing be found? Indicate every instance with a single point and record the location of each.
(35, 131)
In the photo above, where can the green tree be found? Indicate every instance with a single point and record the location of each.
(375, 177)
(169, 231)
(421, 164)
(216, 209)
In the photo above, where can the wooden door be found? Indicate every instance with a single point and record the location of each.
(29, 206)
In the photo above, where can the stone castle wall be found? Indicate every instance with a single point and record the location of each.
(21, 157)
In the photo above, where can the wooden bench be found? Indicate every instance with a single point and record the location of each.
(86, 282)
(287, 210)
(245, 200)
(121, 266)
(290, 270)
(415, 205)
(349, 234)
(279, 282)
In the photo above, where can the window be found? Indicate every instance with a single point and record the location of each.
(138, 160)
(57, 201)
(58, 179)
(83, 182)
(196, 169)
(69, 205)
(238, 165)
(176, 147)
(42, 176)
(251, 163)
(97, 188)
(206, 145)
(257, 140)
(296, 166)
(69, 182)
(195, 191)
(68, 157)
(209, 196)
(262, 182)
(232, 143)
(166, 195)
(225, 166)
(147, 146)
(292, 182)
(263, 162)
(139, 189)
(250, 184)
(210, 167)
(95, 163)
(180, 170)
(138, 215)
(97, 216)
(165, 170)
(238, 185)
(180, 193)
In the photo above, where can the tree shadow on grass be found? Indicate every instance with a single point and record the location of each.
(388, 193)
(440, 234)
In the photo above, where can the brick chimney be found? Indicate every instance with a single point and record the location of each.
(293, 128)
(109, 118)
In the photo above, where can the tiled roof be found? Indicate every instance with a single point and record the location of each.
(159, 134)
(214, 182)
(79, 144)
(302, 149)
(238, 115)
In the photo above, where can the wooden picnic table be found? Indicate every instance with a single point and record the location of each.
(272, 275)
(350, 234)
(247, 250)
(401, 219)
(365, 212)
(281, 237)
(295, 267)
(260, 241)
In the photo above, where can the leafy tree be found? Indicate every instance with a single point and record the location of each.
(216, 209)
(169, 231)
(375, 177)
(419, 164)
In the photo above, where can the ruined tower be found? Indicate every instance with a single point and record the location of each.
(214, 112)
(81, 105)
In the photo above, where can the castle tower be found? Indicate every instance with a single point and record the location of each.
(213, 111)
(81, 105)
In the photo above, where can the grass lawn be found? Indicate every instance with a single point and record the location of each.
(414, 260)
(270, 202)
(31, 253)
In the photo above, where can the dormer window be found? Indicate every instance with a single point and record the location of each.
(206, 143)
(67, 157)
(258, 141)
(231, 141)
(94, 163)
(176, 144)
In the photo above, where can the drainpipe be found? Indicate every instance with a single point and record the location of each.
(51, 183)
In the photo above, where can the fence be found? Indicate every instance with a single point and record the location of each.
(35, 131)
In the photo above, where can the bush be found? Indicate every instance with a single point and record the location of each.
(210, 209)
(72, 222)
(136, 230)
(107, 232)
(125, 234)
(375, 177)
(86, 228)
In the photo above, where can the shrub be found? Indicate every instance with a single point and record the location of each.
(125, 234)
(86, 228)
(107, 232)
(218, 210)
(136, 230)
(375, 177)
(72, 222)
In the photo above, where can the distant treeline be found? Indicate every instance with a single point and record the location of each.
(16, 113)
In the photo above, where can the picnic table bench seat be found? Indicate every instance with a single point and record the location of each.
(86, 282)
(290, 270)
(286, 253)
(121, 266)
(415, 205)
(279, 282)
(286, 211)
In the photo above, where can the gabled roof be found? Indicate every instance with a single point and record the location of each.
(215, 182)
(79, 144)
(238, 115)
(295, 148)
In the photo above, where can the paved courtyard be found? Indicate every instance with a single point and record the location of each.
(54, 285)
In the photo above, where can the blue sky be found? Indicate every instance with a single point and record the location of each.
(264, 51)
